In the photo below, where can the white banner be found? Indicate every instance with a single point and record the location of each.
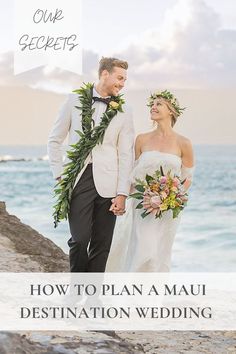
(48, 33)
(117, 301)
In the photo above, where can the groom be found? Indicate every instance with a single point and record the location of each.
(102, 185)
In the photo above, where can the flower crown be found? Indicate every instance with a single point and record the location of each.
(169, 97)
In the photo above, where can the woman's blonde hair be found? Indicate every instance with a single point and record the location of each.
(174, 113)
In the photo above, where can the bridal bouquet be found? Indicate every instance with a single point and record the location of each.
(159, 193)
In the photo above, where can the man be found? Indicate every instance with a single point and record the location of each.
(101, 187)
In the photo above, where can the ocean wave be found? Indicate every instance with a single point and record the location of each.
(10, 158)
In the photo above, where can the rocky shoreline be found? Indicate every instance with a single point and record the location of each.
(24, 250)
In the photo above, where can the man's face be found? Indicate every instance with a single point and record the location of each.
(113, 82)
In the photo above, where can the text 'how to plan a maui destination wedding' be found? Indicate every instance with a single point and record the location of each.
(48, 33)
(117, 301)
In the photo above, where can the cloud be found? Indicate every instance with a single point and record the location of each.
(189, 50)
(52, 79)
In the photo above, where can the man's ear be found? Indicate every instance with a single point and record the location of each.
(104, 74)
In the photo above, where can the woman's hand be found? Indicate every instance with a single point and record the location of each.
(118, 205)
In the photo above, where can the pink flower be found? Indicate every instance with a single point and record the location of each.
(175, 182)
(163, 179)
(155, 202)
(184, 198)
(167, 191)
(156, 211)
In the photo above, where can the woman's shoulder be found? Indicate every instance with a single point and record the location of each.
(143, 136)
(184, 142)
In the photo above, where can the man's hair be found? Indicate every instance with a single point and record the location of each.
(109, 64)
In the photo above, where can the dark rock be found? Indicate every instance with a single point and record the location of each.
(27, 241)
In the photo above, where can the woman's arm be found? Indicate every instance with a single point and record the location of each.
(137, 147)
(187, 161)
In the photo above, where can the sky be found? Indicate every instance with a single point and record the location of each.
(127, 20)
(175, 44)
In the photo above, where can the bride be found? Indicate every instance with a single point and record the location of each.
(145, 244)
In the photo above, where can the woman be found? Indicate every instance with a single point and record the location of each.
(145, 244)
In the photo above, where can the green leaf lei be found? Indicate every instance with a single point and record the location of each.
(89, 138)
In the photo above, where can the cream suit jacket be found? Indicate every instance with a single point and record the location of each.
(112, 160)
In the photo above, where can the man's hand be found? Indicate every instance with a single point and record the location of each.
(118, 205)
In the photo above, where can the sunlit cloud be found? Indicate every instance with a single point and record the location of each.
(188, 50)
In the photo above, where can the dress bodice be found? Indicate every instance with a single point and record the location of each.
(150, 161)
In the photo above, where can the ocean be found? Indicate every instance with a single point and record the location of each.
(206, 238)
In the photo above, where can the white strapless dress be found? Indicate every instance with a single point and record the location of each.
(145, 245)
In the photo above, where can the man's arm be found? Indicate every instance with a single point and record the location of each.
(57, 136)
(125, 155)
(126, 158)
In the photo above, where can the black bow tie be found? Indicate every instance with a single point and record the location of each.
(106, 100)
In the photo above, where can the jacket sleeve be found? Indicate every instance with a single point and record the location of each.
(57, 136)
(125, 154)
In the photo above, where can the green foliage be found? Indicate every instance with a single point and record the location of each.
(149, 179)
(140, 187)
(140, 205)
(136, 195)
(88, 139)
(169, 97)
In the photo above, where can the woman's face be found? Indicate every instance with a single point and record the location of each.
(159, 110)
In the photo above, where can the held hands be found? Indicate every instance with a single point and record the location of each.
(118, 205)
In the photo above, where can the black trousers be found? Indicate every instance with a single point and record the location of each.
(91, 226)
